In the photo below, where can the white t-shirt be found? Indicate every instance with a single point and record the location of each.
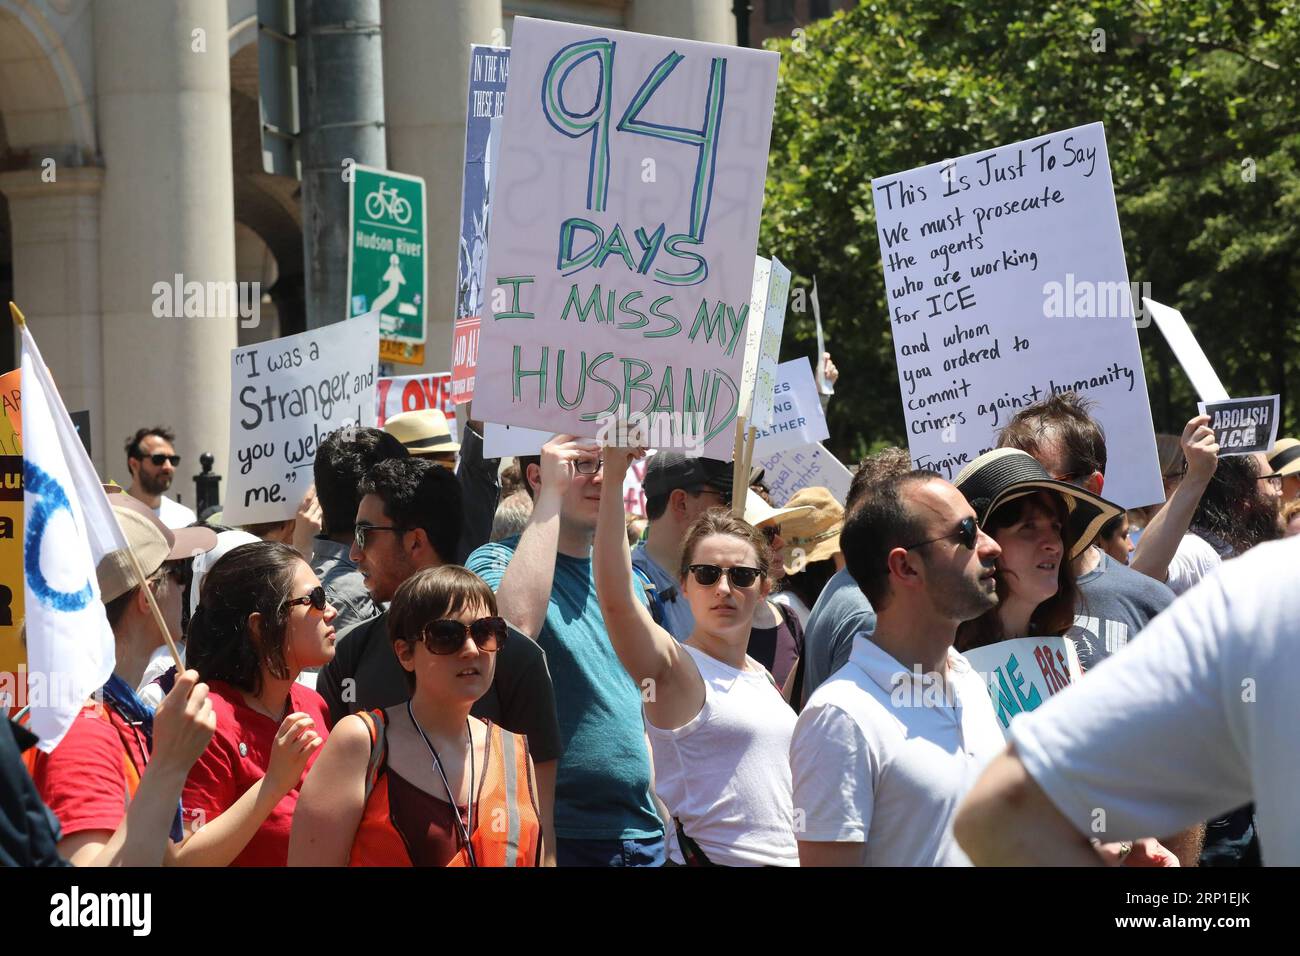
(791, 600)
(880, 756)
(725, 774)
(174, 514)
(1197, 718)
(1194, 560)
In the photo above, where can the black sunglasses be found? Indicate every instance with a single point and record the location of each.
(966, 532)
(315, 597)
(447, 637)
(706, 575)
(360, 531)
(159, 459)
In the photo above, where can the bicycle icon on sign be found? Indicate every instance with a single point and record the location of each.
(386, 202)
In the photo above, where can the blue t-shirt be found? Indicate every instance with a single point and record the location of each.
(678, 619)
(602, 788)
(841, 611)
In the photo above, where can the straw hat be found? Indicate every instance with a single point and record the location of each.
(817, 532)
(423, 432)
(758, 512)
(1284, 457)
(1005, 474)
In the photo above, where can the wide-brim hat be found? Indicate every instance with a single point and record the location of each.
(758, 512)
(115, 573)
(423, 432)
(182, 542)
(1284, 457)
(816, 533)
(1005, 474)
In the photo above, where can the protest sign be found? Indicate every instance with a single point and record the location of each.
(489, 68)
(823, 386)
(754, 333)
(1188, 351)
(1243, 426)
(797, 417)
(806, 466)
(1006, 283)
(12, 653)
(1024, 672)
(511, 441)
(625, 221)
(778, 294)
(286, 396)
(411, 393)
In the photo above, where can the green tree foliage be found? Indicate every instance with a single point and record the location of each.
(1201, 105)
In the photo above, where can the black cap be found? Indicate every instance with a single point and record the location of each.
(669, 470)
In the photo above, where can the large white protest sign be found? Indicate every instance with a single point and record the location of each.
(625, 221)
(413, 393)
(1024, 672)
(286, 395)
(807, 466)
(797, 417)
(1006, 283)
(1188, 351)
(511, 441)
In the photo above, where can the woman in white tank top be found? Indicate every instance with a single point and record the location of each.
(719, 729)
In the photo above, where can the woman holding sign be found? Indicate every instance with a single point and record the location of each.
(718, 727)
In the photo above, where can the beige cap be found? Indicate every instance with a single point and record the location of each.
(816, 533)
(115, 574)
(423, 432)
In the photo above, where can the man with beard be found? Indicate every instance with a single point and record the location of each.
(888, 746)
(152, 461)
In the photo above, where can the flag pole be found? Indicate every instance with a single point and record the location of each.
(739, 477)
(143, 583)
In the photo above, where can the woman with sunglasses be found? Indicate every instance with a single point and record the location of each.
(262, 618)
(425, 783)
(718, 728)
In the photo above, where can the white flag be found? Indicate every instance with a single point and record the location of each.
(69, 527)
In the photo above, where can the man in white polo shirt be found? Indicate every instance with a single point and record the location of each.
(886, 748)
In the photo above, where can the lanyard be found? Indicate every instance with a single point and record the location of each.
(461, 832)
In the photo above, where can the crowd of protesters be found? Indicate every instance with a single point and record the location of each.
(441, 661)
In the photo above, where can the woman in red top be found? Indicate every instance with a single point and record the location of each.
(424, 783)
(262, 619)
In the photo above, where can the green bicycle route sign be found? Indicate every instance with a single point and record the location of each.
(386, 257)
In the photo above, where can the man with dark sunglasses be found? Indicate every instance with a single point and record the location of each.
(152, 460)
(890, 743)
(409, 519)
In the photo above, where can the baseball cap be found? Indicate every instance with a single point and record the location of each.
(669, 470)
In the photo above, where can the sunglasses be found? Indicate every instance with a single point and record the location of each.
(360, 531)
(447, 637)
(315, 597)
(965, 533)
(706, 575)
(159, 459)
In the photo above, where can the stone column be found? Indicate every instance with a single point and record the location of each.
(426, 70)
(163, 92)
(710, 20)
(56, 282)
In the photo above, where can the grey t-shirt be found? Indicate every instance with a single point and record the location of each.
(1115, 602)
(678, 619)
(841, 611)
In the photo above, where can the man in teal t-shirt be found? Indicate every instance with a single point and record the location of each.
(604, 814)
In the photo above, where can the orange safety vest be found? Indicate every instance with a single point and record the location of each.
(130, 773)
(508, 831)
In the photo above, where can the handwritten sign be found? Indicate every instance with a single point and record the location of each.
(1187, 350)
(625, 221)
(411, 393)
(797, 411)
(286, 395)
(806, 466)
(1006, 284)
(489, 68)
(1243, 426)
(1024, 672)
